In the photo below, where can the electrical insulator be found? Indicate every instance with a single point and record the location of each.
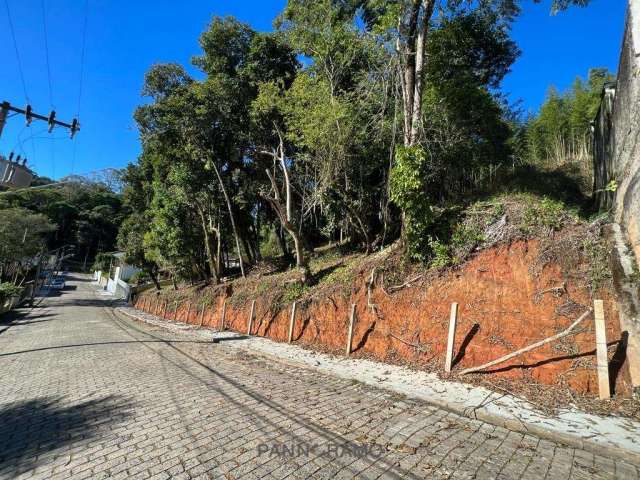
(74, 127)
(28, 115)
(52, 119)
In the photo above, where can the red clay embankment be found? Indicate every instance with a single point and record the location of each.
(503, 306)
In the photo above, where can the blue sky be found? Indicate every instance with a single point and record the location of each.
(125, 37)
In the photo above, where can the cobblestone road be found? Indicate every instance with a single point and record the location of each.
(85, 393)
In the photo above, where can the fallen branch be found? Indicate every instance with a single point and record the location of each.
(557, 336)
(406, 284)
(557, 291)
(418, 347)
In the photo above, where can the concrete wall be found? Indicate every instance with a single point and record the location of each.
(617, 136)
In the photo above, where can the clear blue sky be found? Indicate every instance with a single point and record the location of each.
(125, 37)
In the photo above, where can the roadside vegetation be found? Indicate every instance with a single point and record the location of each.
(331, 130)
(79, 215)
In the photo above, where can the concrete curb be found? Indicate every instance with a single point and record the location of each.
(479, 412)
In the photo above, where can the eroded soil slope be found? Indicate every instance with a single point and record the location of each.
(508, 298)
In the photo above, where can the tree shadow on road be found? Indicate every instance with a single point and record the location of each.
(33, 428)
(22, 317)
(122, 342)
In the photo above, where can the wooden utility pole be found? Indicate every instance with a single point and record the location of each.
(4, 112)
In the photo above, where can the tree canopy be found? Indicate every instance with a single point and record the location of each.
(357, 119)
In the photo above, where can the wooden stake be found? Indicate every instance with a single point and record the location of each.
(201, 315)
(188, 312)
(352, 320)
(223, 315)
(601, 351)
(253, 310)
(453, 317)
(164, 312)
(557, 336)
(292, 321)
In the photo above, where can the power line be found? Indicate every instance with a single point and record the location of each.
(80, 83)
(46, 49)
(84, 43)
(15, 46)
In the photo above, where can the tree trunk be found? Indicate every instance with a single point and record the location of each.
(214, 267)
(282, 242)
(154, 278)
(412, 53)
(285, 212)
(231, 216)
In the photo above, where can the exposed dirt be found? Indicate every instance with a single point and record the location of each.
(504, 305)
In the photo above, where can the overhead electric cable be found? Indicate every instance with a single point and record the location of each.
(15, 46)
(46, 50)
(80, 83)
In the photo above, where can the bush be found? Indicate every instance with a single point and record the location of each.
(103, 261)
(269, 246)
(140, 278)
(547, 213)
(8, 290)
(408, 191)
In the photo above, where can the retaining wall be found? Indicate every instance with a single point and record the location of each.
(617, 136)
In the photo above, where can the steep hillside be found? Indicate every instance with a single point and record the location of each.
(521, 268)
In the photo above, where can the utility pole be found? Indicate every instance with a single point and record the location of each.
(29, 114)
(4, 112)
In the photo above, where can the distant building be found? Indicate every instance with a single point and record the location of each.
(14, 174)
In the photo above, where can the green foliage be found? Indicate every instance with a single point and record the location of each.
(340, 276)
(85, 212)
(560, 134)
(259, 127)
(292, 292)
(8, 290)
(548, 213)
(269, 246)
(598, 261)
(103, 262)
(139, 278)
(22, 234)
(409, 175)
(440, 253)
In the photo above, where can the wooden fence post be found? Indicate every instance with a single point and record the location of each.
(164, 311)
(604, 388)
(201, 316)
(352, 319)
(175, 310)
(253, 309)
(223, 314)
(452, 336)
(292, 321)
(188, 312)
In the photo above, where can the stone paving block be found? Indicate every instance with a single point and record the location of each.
(129, 400)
